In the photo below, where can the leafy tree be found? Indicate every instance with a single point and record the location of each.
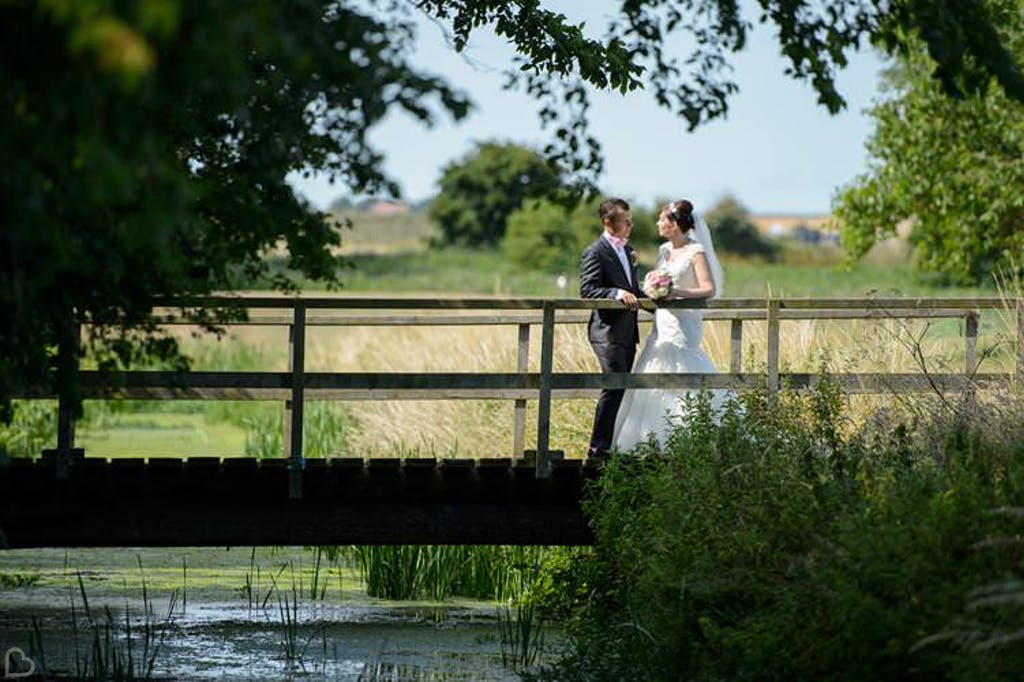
(481, 190)
(733, 232)
(144, 153)
(545, 235)
(145, 144)
(952, 166)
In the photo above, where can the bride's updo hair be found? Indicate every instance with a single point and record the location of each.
(681, 213)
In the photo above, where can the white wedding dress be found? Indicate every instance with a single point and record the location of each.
(672, 347)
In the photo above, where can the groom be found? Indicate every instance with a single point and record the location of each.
(608, 270)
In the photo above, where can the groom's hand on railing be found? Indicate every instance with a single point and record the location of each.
(631, 301)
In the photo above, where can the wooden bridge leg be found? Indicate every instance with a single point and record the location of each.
(773, 349)
(293, 408)
(547, 348)
(736, 347)
(519, 420)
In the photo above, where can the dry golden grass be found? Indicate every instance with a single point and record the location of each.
(483, 428)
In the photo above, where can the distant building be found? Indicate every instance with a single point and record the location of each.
(805, 227)
(385, 206)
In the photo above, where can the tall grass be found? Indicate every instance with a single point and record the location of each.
(439, 572)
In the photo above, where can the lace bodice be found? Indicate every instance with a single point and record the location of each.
(682, 328)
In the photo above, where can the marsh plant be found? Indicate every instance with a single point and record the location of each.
(33, 428)
(782, 540)
(107, 645)
(521, 618)
(326, 430)
(439, 572)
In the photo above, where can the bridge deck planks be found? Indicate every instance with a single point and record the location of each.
(206, 501)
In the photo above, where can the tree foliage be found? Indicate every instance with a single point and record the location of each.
(481, 190)
(954, 167)
(144, 151)
(544, 235)
(547, 235)
(733, 232)
(145, 144)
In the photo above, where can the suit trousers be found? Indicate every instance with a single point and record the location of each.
(613, 357)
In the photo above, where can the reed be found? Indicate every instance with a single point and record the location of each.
(116, 648)
(520, 618)
(439, 572)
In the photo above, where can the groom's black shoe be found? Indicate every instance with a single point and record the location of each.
(597, 457)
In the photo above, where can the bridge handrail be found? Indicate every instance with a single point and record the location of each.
(523, 385)
(503, 303)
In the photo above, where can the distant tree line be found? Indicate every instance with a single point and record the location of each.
(508, 196)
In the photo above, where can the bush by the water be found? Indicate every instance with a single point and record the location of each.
(777, 542)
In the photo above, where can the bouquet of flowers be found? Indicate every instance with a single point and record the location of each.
(658, 283)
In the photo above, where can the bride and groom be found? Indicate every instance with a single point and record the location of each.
(608, 270)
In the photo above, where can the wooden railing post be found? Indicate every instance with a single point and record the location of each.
(547, 349)
(773, 348)
(971, 343)
(736, 346)
(67, 371)
(519, 419)
(293, 408)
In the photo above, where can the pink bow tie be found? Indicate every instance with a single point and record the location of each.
(617, 242)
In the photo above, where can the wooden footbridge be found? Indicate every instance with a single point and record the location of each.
(67, 498)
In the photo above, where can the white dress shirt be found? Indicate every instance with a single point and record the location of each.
(624, 260)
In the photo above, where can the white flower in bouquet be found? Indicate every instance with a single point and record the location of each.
(658, 283)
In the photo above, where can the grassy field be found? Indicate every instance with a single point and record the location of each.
(390, 255)
(150, 434)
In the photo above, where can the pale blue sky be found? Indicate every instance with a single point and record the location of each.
(777, 151)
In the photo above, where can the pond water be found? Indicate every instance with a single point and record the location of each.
(235, 615)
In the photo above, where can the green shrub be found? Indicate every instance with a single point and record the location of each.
(544, 235)
(777, 543)
(33, 428)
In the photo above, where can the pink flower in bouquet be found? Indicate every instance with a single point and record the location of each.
(658, 283)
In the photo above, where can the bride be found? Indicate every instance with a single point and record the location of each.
(674, 345)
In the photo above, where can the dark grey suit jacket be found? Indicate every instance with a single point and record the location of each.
(600, 274)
